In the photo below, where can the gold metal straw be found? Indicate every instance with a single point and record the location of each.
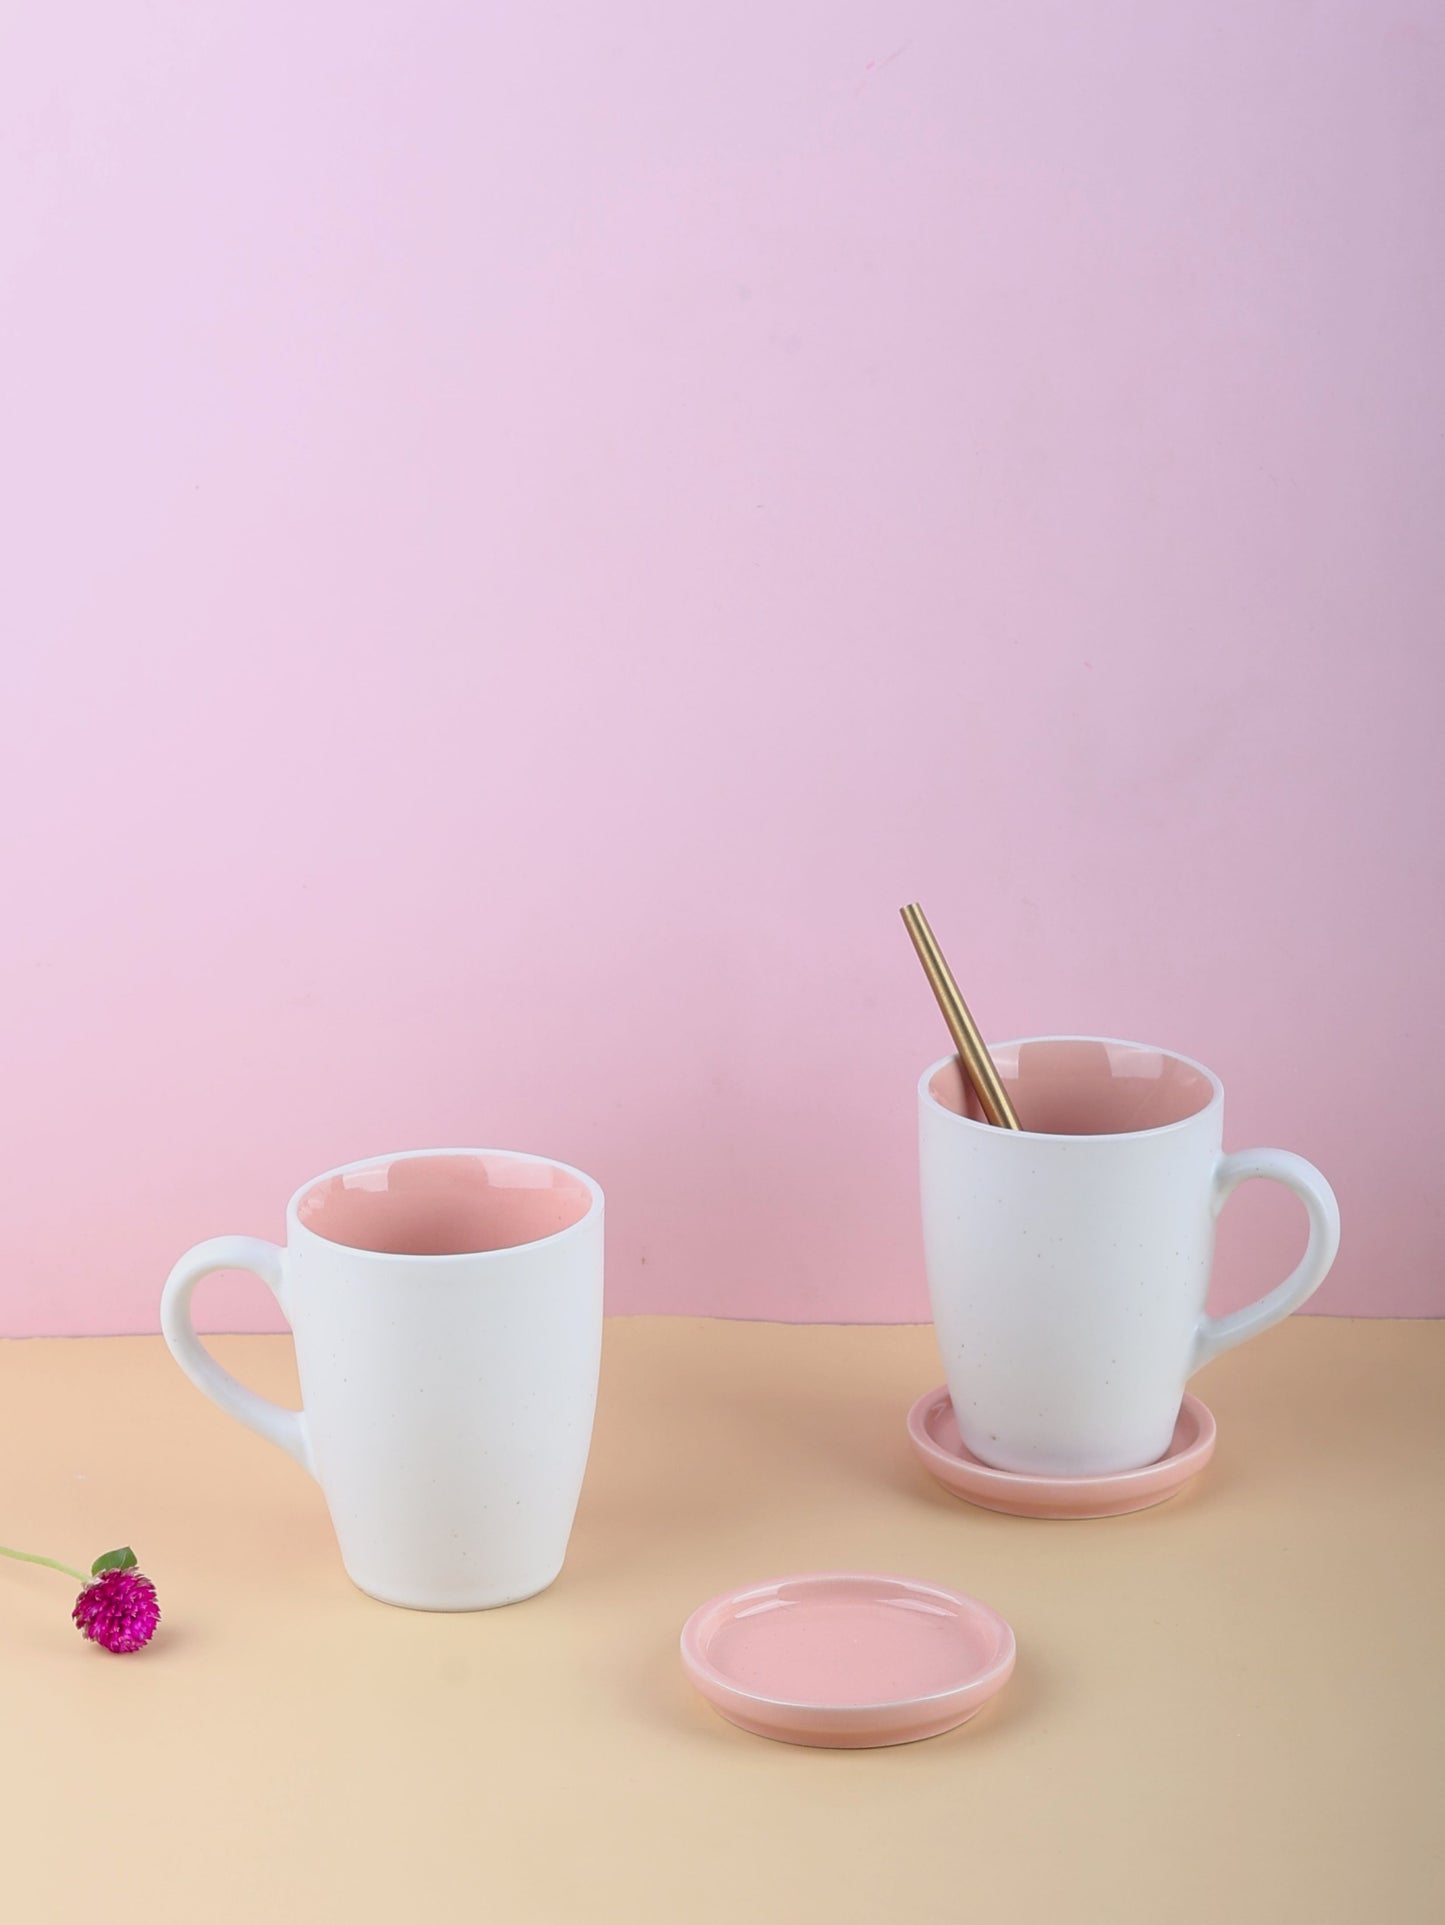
(973, 1054)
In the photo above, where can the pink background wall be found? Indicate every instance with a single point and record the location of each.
(529, 532)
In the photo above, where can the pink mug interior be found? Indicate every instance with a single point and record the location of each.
(445, 1205)
(1076, 1086)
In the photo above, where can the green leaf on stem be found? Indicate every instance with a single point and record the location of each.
(121, 1560)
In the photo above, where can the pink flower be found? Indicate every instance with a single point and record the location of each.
(119, 1610)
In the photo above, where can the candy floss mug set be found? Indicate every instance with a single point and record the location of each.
(446, 1307)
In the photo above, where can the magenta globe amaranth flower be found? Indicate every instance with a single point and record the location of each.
(118, 1610)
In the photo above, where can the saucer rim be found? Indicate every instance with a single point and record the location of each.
(982, 1684)
(929, 1447)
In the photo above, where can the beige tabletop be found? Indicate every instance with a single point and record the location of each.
(1227, 1709)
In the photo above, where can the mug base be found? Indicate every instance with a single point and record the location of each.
(490, 1601)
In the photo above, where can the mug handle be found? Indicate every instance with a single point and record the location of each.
(284, 1427)
(1217, 1334)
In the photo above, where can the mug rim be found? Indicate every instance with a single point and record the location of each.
(296, 1228)
(1216, 1099)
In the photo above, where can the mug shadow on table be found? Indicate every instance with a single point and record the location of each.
(652, 1481)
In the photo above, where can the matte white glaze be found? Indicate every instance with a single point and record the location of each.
(447, 1401)
(1068, 1275)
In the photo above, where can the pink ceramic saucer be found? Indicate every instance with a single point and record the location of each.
(933, 1433)
(844, 1658)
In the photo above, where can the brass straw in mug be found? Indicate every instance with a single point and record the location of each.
(973, 1054)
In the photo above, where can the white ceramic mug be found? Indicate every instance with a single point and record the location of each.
(1068, 1262)
(447, 1312)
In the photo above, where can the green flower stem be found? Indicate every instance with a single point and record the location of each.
(50, 1563)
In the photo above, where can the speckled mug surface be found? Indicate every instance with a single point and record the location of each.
(1069, 1261)
(447, 1311)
